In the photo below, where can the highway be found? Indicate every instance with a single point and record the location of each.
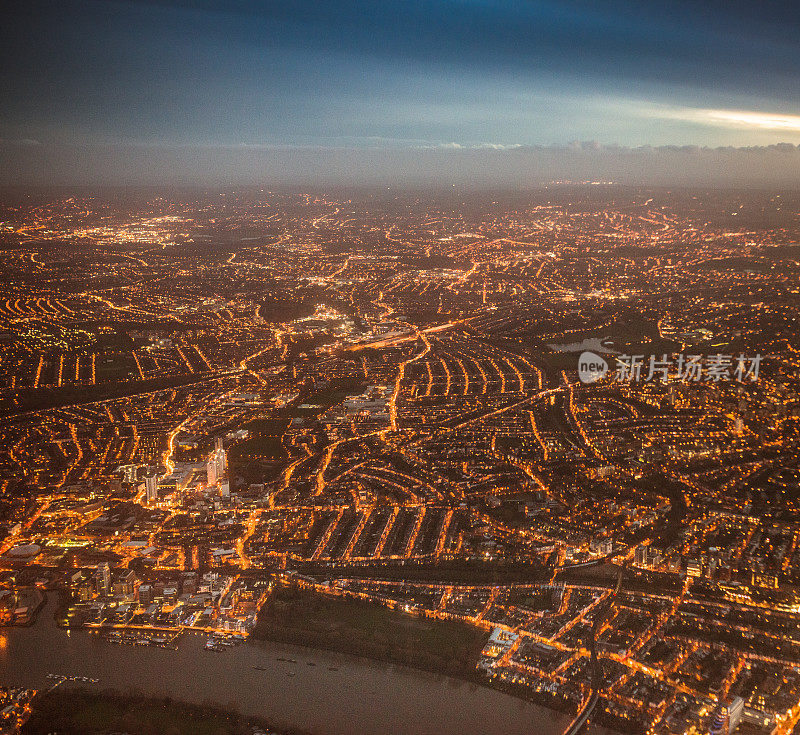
(582, 718)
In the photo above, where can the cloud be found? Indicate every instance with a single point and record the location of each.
(755, 119)
(741, 119)
(453, 146)
(468, 166)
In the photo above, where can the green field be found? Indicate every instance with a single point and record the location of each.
(367, 629)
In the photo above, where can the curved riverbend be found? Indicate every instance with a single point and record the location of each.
(324, 693)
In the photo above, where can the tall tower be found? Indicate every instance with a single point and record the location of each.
(151, 488)
(103, 578)
(727, 716)
(211, 469)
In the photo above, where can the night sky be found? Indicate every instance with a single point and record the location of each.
(393, 76)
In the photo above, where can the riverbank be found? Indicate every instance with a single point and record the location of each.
(344, 624)
(360, 628)
(28, 603)
(84, 712)
(291, 686)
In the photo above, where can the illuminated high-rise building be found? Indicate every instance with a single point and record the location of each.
(103, 578)
(727, 716)
(217, 463)
(129, 473)
(211, 470)
(151, 487)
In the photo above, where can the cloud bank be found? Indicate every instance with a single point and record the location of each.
(481, 166)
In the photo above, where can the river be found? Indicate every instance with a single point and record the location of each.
(329, 694)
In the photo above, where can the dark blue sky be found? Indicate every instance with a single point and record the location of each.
(393, 73)
(387, 72)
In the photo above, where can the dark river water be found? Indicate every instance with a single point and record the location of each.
(359, 697)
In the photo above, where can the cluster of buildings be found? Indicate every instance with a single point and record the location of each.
(15, 709)
(119, 599)
(164, 441)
